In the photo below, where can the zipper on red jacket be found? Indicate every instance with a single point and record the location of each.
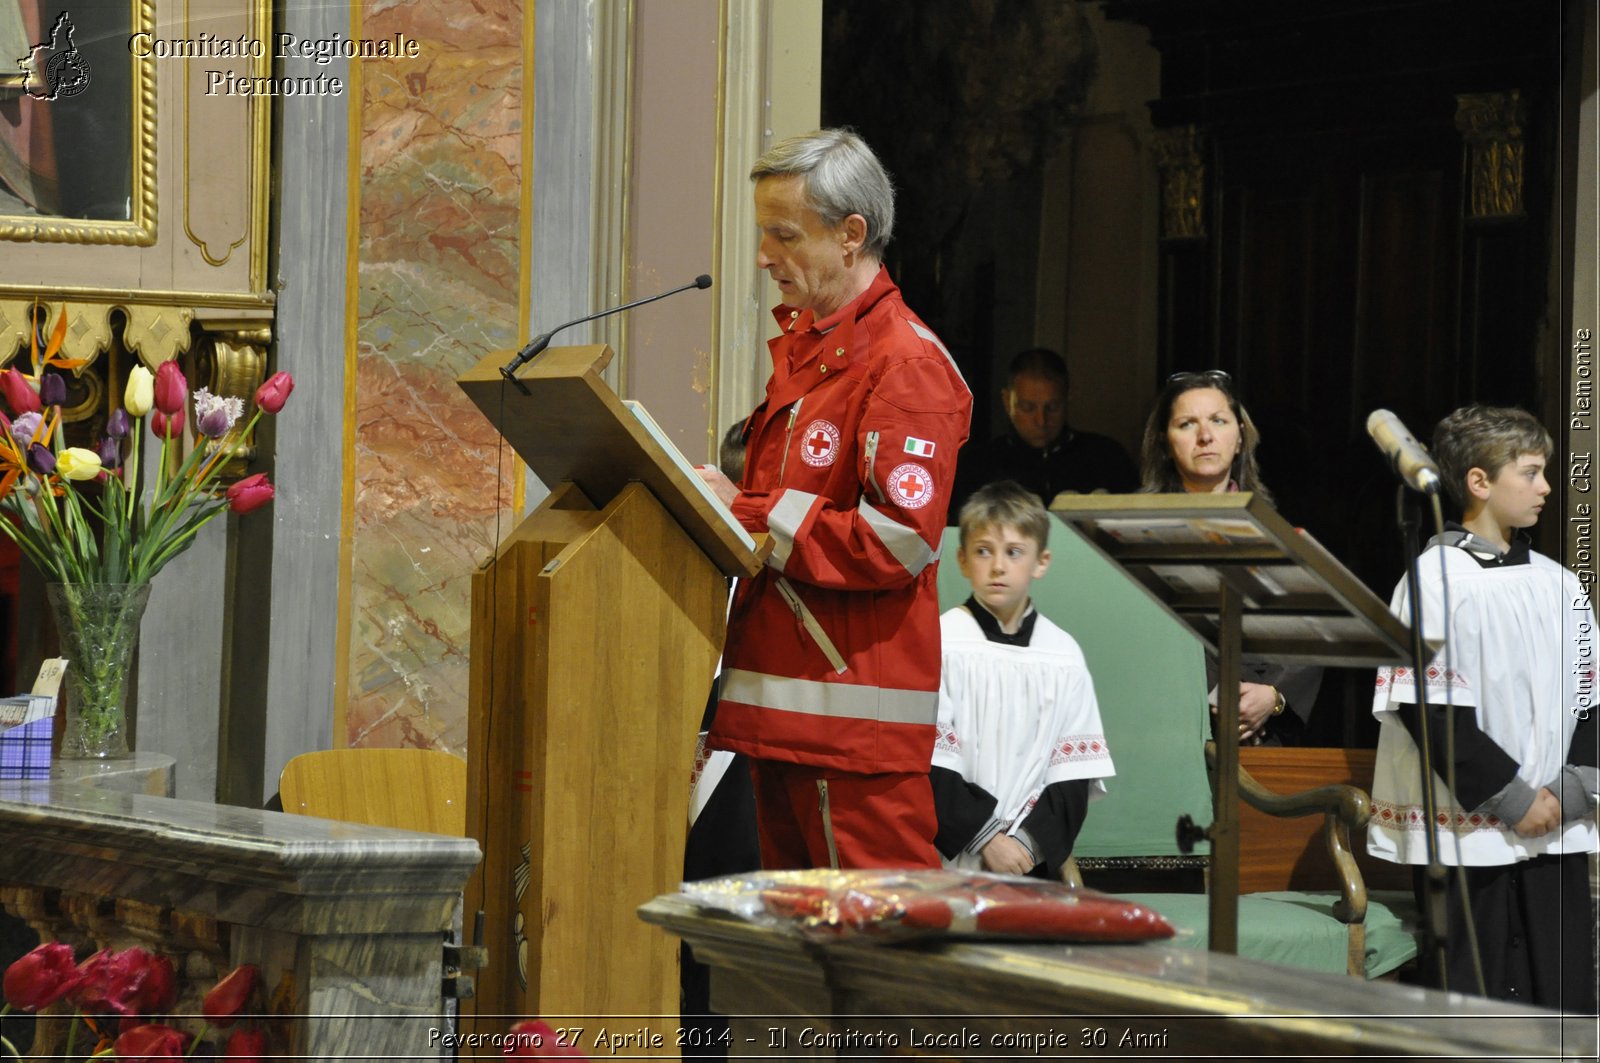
(871, 456)
(810, 625)
(788, 433)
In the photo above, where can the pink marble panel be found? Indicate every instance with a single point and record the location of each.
(438, 283)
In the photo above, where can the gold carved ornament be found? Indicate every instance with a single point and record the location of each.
(1183, 183)
(230, 357)
(1490, 124)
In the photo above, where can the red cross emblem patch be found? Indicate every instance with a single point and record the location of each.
(911, 486)
(819, 443)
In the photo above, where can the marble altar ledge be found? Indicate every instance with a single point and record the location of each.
(789, 996)
(241, 865)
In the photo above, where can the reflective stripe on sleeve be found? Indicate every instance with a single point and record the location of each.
(830, 699)
(783, 523)
(931, 338)
(908, 548)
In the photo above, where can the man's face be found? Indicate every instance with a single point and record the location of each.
(1037, 406)
(804, 255)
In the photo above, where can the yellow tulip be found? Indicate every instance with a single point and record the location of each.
(140, 393)
(76, 463)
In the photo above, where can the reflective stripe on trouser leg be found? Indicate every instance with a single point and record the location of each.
(827, 824)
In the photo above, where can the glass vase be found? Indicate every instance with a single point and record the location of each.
(99, 627)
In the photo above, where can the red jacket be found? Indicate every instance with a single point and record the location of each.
(832, 656)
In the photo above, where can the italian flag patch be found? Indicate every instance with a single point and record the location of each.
(922, 448)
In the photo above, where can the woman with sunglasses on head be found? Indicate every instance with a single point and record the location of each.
(1199, 439)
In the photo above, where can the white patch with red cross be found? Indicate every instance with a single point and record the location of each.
(819, 443)
(911, 486)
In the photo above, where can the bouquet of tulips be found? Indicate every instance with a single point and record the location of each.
(119, 998)
(83, 516)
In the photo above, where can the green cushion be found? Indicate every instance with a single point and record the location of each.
(1288, 928)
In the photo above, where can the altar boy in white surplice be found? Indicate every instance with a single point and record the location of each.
(1515, 683)
(1021, 748)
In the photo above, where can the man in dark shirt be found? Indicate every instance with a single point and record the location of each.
(1041, 452)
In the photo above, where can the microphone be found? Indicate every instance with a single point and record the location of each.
(1408, 457)
(539, 343)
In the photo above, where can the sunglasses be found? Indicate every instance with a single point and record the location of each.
(1219, 375)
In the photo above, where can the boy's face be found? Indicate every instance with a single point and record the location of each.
(1001, 564)
(1516, 494)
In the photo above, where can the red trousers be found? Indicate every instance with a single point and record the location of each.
(820, 817)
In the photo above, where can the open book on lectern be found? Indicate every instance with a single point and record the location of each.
(568, 425)
(665, 442)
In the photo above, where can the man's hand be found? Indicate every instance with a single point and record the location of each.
(1543, 817)
(1006, 856)
(1256, 702)
(720, 485)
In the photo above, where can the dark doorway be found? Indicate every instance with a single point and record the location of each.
(1379, 185)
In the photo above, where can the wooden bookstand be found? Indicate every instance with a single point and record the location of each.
(595, 634)
(1251, 588)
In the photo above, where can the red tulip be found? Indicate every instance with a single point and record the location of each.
(252, 492)
(246, 1044)
(536, 1039)
(40, 978)
(221, 1005)
(167, 425)
(151, 1041)
(172, 390)
(19, 394)
(132, 982)
(271, 395)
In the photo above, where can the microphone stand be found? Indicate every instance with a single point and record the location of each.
(537, 345)
(1435, 927)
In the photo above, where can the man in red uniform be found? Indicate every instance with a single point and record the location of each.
(831, 670)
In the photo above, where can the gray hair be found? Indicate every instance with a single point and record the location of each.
(842, 177)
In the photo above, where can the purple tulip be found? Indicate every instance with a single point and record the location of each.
(117, 424)
(52, 389)
(213, 424)
(40, 459)
(110, 453)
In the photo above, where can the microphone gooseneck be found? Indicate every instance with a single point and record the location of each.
(540, 342)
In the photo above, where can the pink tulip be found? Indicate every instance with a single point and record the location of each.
(252, 492)
(271, 395)
(131, 982)
(167, 426)
(247, 1045)
(19, 394)
(152, 1041)
(172, 391)
(40, 978)
(227, 998)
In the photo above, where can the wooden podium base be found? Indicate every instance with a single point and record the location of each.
(596, 634)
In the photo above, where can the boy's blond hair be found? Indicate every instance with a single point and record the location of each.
(1007, 504)
(1487, 438)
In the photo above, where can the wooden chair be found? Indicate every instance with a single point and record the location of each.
(1149, 676)
(413, 789)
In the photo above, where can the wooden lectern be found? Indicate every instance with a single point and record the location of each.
(1251, 588)
(595, 634)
